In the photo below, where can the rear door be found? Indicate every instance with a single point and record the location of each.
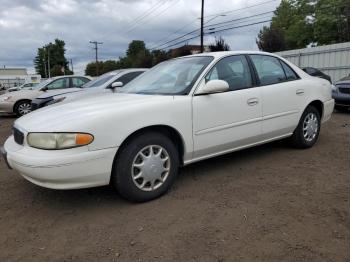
(283, 95)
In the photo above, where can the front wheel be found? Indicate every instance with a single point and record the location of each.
(146, 167)
(23, 108)
(308, 129)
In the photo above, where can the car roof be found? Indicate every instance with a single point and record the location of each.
(128, 70)
(227, 53)
(67, 76)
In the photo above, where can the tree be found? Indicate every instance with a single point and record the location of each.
(53, 53)
(90, 69)
(332, 21)
(271, 39)
(305, 22)
(219, 45)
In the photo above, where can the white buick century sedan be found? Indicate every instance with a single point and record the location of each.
(181, 111)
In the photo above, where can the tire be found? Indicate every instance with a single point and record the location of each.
(302, 138)
(342, 109)
(23, 108)
(130, 162)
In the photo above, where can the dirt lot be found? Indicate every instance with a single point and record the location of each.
(270, 203)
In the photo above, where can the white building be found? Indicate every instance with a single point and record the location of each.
(10, 77)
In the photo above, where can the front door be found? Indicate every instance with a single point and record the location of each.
(229, 120)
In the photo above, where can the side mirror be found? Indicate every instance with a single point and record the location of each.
(44, 89)
(116, 85)
(212, 87)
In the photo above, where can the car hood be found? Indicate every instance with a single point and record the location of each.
(22, 94)
(52, 93)
(66, 116)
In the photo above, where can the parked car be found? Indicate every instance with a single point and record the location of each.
(341, 95)
(21, 87)
(19, 102)
(316, 72)
(181, 111)
(104, 83)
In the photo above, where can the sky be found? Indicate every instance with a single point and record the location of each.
(26, 25)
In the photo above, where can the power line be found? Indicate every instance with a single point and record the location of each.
(95, 43)
(243, 8)
(216, 14)
(207, 26)
(137, 23)
(172, 3)
(140, 17)
(230, 28)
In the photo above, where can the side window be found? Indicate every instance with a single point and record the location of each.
(77, 82)
(234, 70)
(269, 69)
(290, 74)
(59, 83)
(128, 77)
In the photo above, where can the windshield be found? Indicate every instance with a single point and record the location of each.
(171, 77)
(101, 80)
(41, 85)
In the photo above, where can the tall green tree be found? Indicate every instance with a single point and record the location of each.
(219, 45)
(305, 22)
(52, 56)
(332, 21)
(271, 39)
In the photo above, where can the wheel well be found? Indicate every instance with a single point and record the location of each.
(170, 132)
(19, 101)
(318, 105)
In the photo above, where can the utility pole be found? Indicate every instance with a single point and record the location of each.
(71, 64)
(96, 49)
(202, 25)
(48, 61)
(44, 61)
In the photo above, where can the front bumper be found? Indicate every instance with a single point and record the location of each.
(61, 169)
(39, 103)
(341, 99)
(4, 156)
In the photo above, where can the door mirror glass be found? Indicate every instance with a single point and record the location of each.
(213, 86)
(117, 84)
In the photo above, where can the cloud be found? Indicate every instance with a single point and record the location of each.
(26, 25)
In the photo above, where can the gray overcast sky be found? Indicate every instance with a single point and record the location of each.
(26, 25)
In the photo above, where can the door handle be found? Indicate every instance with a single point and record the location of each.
(300, 92)
(252, 101)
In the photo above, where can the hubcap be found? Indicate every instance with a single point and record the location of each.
(310, 127)
(150, 167)
(24, 108)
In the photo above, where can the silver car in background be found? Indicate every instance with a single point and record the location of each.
(107, 82)
(19, 102)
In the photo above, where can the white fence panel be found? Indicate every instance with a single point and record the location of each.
(334, 60)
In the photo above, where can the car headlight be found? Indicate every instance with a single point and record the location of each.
(334, 88)
(56, 101)
(5, 98)
(51, 141)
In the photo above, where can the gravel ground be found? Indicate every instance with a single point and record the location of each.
(269, 203)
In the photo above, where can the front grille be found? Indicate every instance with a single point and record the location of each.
(344, 90)
(18, 135)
